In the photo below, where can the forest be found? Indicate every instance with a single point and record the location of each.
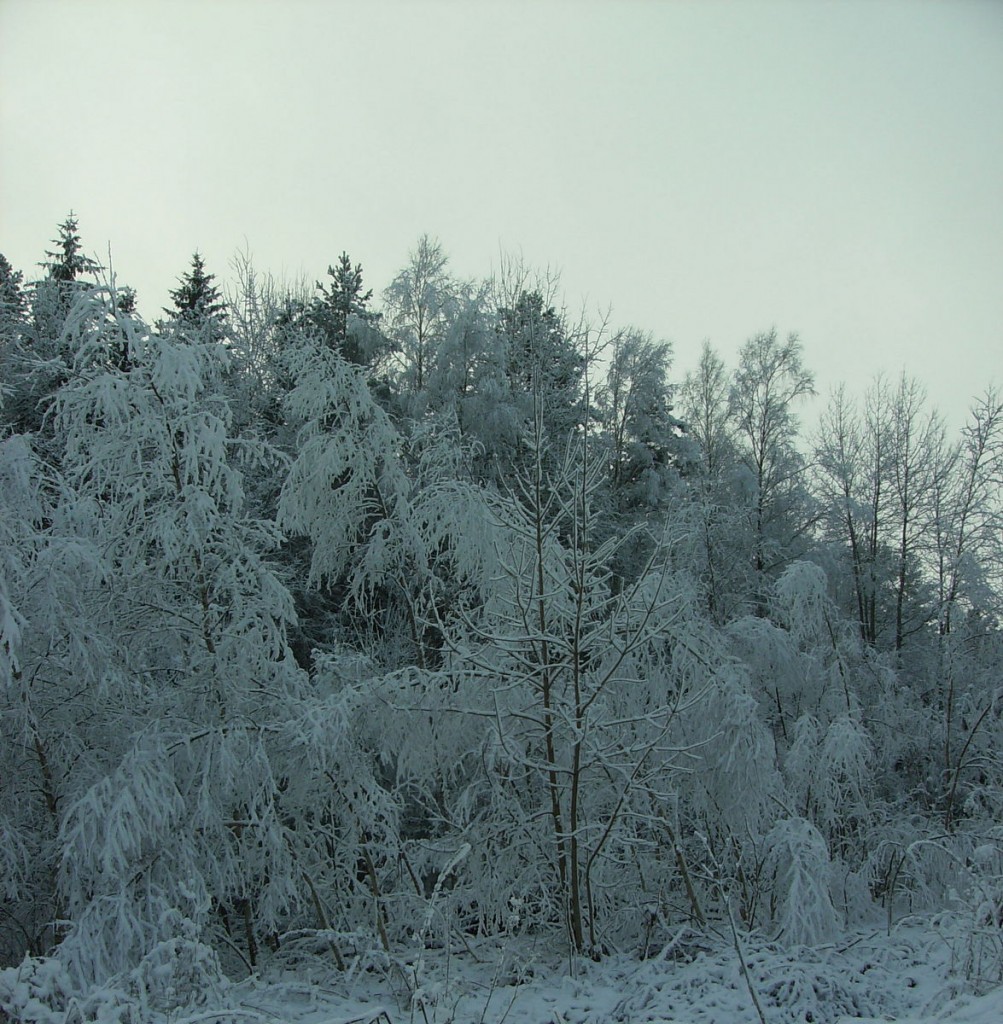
(337, 625)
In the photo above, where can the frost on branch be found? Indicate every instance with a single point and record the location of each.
(346, 478)
(20, 513)
(797, 861)
(829, 774)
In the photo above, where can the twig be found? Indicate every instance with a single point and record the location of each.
(741, 959)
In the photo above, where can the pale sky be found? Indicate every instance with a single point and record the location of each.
(708, 170)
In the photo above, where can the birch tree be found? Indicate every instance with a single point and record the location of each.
(721, 535)
(152, 647)
(569, 689)
(769, 382)
(417, 305)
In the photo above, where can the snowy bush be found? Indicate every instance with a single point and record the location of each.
(735, 782)
(797, 862)
(972, 925)
(37, 990)
(829, 776)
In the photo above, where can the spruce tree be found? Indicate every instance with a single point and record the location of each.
(13, 304)
(198, 305)
(67, 263)
(343, 298)
(53, 296)
(540, 352)
(45, 323)
(13, 314)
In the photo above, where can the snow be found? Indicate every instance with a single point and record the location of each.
(866, 979)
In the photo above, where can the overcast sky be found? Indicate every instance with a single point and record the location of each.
(709, 170)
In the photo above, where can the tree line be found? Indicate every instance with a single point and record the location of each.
(332, 624)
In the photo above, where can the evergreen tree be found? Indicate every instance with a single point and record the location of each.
(53, 297)
(125, 300)
(41, 324)
(124, 304)
(340, 302)
(198, 305)
(67, 263)
(13, 310)
(545, 375)
(644, 447)
(13, 304)
(636, 407)
(544, 361)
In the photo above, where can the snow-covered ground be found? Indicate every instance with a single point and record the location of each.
(870, 977)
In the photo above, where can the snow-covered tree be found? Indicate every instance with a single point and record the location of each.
(721, 538)
(13, 302)
(645, 452)
(307, 649)
(967, 515)
(37, 346)
(418, 305)
(567, 690)
(545, 366)
(152, 657)
(768, 383)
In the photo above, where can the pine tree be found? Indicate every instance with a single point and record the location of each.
(543, 358)
(545, 372)
(643, 438)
